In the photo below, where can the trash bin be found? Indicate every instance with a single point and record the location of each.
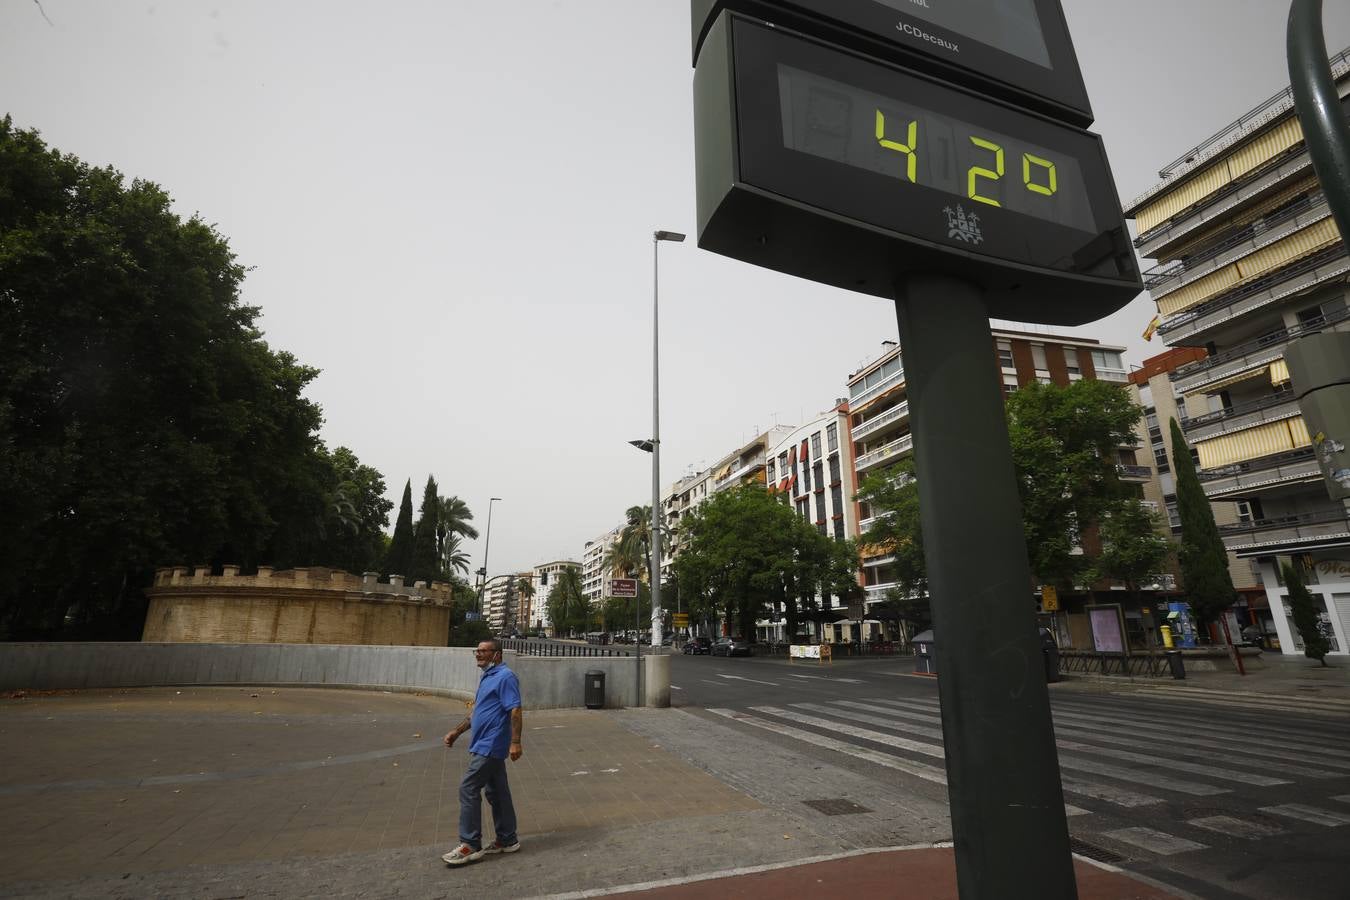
(1177, 664)
(925, 662)
(1050, 654)
(595, 689)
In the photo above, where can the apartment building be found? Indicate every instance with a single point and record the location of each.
(545, 577)
(879, 424)
(504, 602)
(811, 468)
(1152, 388)
(594, 572)
(676, 504)
(747, 464)
(1248, 260)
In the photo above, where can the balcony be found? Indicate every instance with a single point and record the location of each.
(892, 450)
(1287, 533)
(876, 423)
(1272, 408)
(736, 476)
(1120, 376)
(1260, 474)
(1133, 474)
(1162, 280)
(877, 592)
(1156, 243)
(876, 390)
(1252, 355)
(1186, 327)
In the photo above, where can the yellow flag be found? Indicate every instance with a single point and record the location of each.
(1152, 327)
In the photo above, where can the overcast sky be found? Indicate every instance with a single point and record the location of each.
(448, 206)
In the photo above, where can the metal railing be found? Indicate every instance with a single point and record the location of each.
(881, 453)
(1274, 461)
(865, 428)
(560, 648)
(1284, 335)
(1144, 664)
(1241, 409)
(1127, 471)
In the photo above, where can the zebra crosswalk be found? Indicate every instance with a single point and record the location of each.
(1113, 762)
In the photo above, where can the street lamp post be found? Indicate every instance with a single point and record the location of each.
(657, 238)
(487, 544)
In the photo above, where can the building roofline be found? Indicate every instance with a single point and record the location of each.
(1256, 120)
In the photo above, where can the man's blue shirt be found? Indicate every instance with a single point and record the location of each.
(498, 694)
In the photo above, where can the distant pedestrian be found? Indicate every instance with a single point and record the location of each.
(497, 723)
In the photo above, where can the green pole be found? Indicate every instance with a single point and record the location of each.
(1319, 108)
(1003, 785)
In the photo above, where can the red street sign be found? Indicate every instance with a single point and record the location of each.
(623, 587)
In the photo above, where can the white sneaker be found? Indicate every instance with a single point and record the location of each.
(461, 855)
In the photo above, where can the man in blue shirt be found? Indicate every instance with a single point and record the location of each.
(496, 722)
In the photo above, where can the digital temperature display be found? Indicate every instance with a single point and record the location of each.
(902, 140)
(854, 171)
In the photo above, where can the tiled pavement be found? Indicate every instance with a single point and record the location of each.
(112, 784)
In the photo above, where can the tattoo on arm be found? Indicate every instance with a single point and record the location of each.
(517, 725)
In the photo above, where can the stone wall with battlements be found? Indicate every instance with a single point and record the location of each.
(294, 606)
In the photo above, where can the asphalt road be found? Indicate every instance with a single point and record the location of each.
(1217, 796)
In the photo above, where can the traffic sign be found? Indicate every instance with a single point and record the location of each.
(1049, 598)
(623, 587)
(680, 619)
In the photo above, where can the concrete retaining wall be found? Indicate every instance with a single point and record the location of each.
(546, 682)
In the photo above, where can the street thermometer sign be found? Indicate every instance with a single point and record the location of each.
(1017, 49)
(852, 171)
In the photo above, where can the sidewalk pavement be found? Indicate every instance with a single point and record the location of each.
(272, 792)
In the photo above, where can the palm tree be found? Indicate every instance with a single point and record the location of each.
(452, 520)
(453, 557)
(567, 606)
(525, 588)
(630, 556)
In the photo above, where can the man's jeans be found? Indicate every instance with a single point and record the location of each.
(489, 776)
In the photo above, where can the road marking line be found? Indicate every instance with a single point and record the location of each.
(718, 683)
(1236, 827)
(920, 770)
(1283, 750)
(1174, 765)
(1344, 798)
(1155, 841)
(1308, 814)
(1096, 790)
(864, 733)
(676, 687)
(743, 678)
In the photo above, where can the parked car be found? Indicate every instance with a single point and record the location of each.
(697, 646)
(730, 647)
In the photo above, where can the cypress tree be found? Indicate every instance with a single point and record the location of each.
(1306, 619)
(424, 562)
(398, 561)
(1204, 562)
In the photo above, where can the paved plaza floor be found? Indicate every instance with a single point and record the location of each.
(290, 792)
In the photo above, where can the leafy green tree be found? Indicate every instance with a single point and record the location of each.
(357, 515)
(892, 496)
(1132, 547)
(425, 556)
(568, 608)
(399, 559)
(1204, 562)
(748, 556)
(1064, 446)
(1306, 620)
(143, 419)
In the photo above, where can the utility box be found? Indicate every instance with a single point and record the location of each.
(925, 649)
(595, 689)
